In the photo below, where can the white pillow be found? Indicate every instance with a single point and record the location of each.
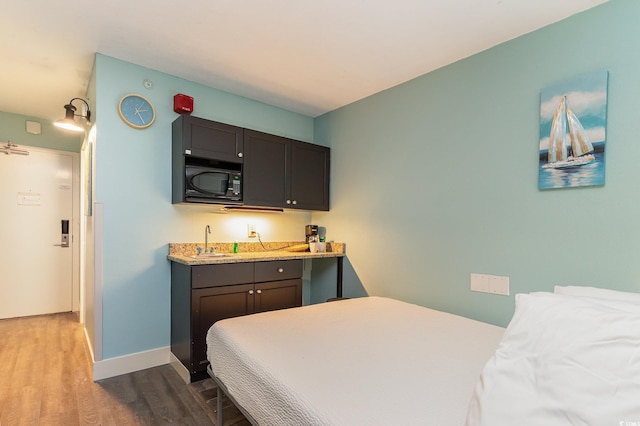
(563, 360)
(600, 293)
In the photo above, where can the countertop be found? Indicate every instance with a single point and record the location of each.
(248, 252)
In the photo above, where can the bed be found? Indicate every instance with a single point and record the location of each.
(362, 361)
(565, 358)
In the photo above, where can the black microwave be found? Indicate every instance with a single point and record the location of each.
(208, 183)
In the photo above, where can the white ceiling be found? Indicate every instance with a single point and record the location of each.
(308, 56)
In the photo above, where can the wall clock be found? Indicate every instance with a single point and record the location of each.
(136, 111)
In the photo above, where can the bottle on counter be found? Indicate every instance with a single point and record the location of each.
(235, 246)
(322, 245)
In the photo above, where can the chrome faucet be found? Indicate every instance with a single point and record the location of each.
(207, 231)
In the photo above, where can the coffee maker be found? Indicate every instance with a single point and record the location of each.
(311, 234)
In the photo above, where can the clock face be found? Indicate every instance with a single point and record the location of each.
(136, 111)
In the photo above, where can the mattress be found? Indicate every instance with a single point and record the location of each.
(372, 360)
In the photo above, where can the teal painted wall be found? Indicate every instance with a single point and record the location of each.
(13, 128)
(445, 170)
(133, 180)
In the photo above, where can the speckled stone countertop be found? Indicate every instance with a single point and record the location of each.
(249, 252)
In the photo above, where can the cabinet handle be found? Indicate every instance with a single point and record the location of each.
(240, 154)
(295, 202)
(259, 291)
(288, 201)
(250, 291)
(281, 270)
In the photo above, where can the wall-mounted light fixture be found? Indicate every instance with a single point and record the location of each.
(68, 122)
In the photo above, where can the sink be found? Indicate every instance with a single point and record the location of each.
(209, 255)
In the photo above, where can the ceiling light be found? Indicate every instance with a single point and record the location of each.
(68, 122)
(11, 148)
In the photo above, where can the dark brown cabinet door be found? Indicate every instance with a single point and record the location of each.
(281, 172)
(209, 139)
(310, 176)
(204, 294)
(265, 180)
(271, 296)
(213, 304)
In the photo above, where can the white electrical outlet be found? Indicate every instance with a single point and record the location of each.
(499, 285)
(480, 282)
(251, 230)
(493, 284)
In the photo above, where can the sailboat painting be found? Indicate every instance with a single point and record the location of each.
(573, 121)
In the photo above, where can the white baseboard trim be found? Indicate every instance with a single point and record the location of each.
(180, 369)
(129, 363)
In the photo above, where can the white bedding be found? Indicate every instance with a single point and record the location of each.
(564, 360)
(365, 361)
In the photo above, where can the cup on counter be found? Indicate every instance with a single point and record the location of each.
(317, 247)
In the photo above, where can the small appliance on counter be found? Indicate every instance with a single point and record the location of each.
(316, 244)
(311, 233)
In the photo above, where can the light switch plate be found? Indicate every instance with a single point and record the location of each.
(493, 284)
(499, 285)
(480, 282)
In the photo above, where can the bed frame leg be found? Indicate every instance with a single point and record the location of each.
(219, 407)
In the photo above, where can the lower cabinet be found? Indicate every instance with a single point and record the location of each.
(204, 294)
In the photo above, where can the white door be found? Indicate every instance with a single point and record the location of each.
(36, 194)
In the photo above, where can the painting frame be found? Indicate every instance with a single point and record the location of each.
(573, 128)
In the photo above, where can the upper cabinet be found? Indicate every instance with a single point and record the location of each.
(282, 172)
(209, 139)
(275, 171)
(265, 179)
(309, 178)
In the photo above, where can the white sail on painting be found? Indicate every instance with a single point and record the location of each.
(573, 132)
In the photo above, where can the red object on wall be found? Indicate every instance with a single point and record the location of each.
(182, 104)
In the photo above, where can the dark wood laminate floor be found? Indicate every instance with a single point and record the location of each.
(46, 379)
